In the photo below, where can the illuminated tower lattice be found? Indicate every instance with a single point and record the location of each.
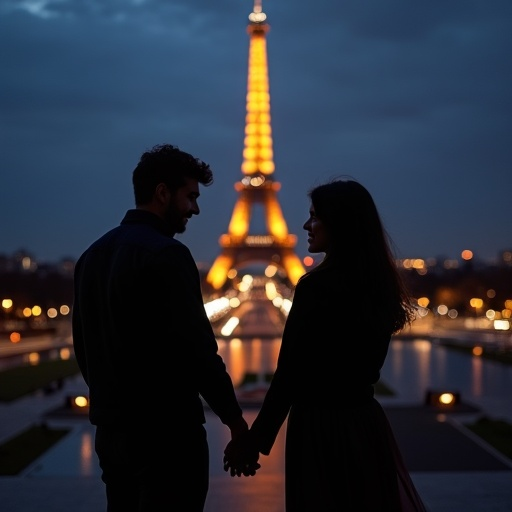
(256, 185)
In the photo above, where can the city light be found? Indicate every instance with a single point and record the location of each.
(77, 403)
(230, 326)
(423, 302)
(81, 401)
(217, 308)
(15, 337)
(442, 399)
(501, 325)
(7, 304)
(308, 261)
(466, 255)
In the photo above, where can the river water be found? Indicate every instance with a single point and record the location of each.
(412, 368)
(415, 366)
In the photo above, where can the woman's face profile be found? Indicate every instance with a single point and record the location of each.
(318, 238)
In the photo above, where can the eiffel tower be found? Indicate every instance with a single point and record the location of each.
(256, 186)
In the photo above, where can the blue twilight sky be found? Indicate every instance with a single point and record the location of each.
(413, 99)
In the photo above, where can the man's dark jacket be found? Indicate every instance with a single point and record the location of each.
(141, 335)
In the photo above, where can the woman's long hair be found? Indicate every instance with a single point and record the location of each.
(360, 247)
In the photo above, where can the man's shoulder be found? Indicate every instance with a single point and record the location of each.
(136, 238)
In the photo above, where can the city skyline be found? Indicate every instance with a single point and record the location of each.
(504, 257)
(414, 102)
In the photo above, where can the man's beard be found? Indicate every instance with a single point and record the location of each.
(175, 220)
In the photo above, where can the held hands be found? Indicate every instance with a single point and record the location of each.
(241, 455)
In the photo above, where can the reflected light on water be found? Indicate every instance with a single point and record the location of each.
(395, 357)
(251, 356)
(409, 366)
(423, 347)
(481, 382)
(476, 376)
(87, 454)
(236, 366)
(255, 362)
(275, 347)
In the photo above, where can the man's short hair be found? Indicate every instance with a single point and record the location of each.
(165, 163)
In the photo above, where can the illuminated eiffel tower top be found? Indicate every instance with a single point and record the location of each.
(277, 245)
(258, 153)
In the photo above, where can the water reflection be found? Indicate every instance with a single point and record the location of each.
(87, 454)
(414, 367)
(476, 368)
(411, 369)
(12, 359)
(249, 356)
(74, 455)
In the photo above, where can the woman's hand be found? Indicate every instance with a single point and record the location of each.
(241, 456)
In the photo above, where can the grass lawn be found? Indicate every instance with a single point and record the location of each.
(23, 380)
(20, 451)
(497, 433)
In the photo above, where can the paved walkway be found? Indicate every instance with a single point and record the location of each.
(453, 470)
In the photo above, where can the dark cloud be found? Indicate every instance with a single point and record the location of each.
(411, 99)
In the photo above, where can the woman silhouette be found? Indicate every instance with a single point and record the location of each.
(341, 453)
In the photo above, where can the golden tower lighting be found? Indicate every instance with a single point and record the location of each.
(256, 186)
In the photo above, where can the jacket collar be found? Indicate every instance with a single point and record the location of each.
(136, 216)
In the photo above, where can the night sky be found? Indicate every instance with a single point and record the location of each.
(412, 99)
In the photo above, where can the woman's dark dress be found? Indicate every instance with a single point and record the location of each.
(341, 454)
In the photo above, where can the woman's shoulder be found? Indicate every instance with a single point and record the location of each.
(322, 272)
(320, 278)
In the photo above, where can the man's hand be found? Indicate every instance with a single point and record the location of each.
(241, 456)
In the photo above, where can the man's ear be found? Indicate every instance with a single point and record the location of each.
(162, 193)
